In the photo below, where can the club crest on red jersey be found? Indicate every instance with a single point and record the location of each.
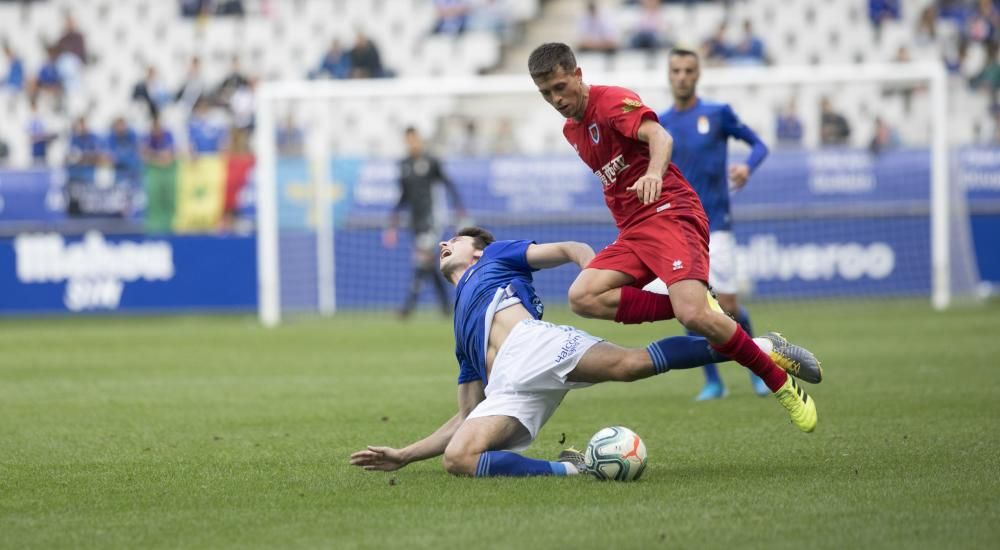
(595, 133)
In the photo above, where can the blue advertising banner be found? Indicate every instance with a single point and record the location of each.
(30, 195)
(48, 272)
(778, 259)
(789, 179)
(979, 173)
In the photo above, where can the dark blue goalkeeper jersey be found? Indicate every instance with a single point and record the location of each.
(501, 273)
(700, 137)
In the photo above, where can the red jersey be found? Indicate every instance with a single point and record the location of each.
(606, 141)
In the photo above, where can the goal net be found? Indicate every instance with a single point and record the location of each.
(850, 220)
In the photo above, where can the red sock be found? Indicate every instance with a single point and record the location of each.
(641, 306)
(742, 349)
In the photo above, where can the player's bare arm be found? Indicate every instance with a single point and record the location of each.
(541, 256)
(648, 187)
(386, 459)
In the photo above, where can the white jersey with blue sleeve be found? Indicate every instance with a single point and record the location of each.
(501, 277)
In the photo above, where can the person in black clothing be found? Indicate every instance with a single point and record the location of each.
(365, 59)
(418, 173)
(833, 127)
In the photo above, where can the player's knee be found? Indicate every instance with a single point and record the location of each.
(583, 302)
(458, 462)
(694, 316)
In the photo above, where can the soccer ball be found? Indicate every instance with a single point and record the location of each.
(616, 453)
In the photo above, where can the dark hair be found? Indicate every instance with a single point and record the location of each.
(550, 56)
(481, 237)
(410, 130)
(684, 52)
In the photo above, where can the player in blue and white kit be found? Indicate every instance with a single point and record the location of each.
(701, 130)
(515, 369)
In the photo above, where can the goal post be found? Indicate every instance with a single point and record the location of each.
(337, 112)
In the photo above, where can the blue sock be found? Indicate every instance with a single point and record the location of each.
(506, 463)
(743, 318)
(708, 367)
(681, 352)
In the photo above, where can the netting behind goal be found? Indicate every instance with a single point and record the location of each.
(815, 221)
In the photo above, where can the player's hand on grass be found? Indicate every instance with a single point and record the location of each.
(647, 188)
(738, 176)
(390, 238)
(383, 459)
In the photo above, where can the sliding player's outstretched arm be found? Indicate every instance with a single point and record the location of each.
(541, 256)
(387, 459)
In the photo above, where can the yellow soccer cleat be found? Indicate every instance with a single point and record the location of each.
(799, 405)
(795, 360)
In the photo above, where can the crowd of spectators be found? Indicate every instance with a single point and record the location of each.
(455, 17)
(218, 114)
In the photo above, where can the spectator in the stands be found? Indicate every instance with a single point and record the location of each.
(336, 63)
(452, 16)
(749, 50)
(981, 24)
(230, 7)
(495, 16)
(715, 49)
(241, 107)
(193, 89)
(927, 25)
(38, 135)
(158, 147)
(206, 136)
(232, 82)
(833, 126)
(14, 81)
(48, 79)
(880, 11)
(595, 32)
(123, 149)
(159, 180)
(884, 137)
(71, 56)
(788, 126)
(72, 41)
(151, 91)
(650, 30)
(195, 8)
(290, 138)
(365, 59)
(84, 154)
(988, 78)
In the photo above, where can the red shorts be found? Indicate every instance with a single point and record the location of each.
(670, 247)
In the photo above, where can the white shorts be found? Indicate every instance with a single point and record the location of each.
(722, 262)
(528, 380)
(721, 265)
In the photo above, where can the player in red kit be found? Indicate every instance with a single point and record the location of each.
(662, 227)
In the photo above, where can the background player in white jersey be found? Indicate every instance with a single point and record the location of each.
(515, 369)
(701, 131)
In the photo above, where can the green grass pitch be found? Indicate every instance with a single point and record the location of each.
(210, 432)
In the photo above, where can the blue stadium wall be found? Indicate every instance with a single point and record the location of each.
(819, 224)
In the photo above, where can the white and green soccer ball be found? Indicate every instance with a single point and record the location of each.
(616, 453)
